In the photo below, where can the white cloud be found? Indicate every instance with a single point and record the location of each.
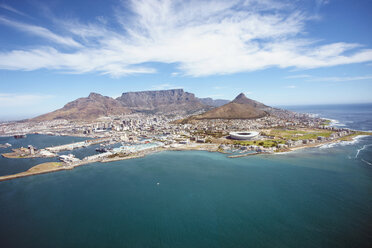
(11, 9)
(291, 86)
(201, 37)
(341, 79)
(21, 100)
(40, 31)
(165, 87)
(248, 93)
(319, 3)
(298, 76)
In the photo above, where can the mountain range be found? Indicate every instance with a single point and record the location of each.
(168, 102)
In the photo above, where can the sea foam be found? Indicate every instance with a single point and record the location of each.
(361, 149)
(355, 140)
(366, 162)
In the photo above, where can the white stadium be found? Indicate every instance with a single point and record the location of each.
(244, 135)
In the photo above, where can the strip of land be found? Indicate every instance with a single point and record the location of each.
(38, 169)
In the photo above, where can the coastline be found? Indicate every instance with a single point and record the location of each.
(58, 166)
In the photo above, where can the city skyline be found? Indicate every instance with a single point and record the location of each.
(304, 52)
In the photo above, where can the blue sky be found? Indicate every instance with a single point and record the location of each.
(278, 52)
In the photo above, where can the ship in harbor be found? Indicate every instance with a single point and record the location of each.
(20, 136)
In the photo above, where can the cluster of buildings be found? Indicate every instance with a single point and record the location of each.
(148, 125)
(291, 121)
(338, 133)
(163, 131)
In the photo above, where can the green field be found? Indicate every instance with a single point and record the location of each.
(298, 134)
(326, 122)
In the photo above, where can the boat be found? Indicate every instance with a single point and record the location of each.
(101, 149)
(20, 136)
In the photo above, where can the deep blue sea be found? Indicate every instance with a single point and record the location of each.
(317, 197)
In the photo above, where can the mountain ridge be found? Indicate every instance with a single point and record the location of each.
(173, 101)
(86, 108)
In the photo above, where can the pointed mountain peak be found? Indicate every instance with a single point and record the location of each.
(240, 96)
(242, 99)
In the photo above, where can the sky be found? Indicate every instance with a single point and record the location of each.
(295, 52)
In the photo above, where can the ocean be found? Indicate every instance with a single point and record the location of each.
(316, 197)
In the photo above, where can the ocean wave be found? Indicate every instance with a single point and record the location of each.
(361, 149)
(326, 146)
(334, 123)
(366, 162)
(355, 140)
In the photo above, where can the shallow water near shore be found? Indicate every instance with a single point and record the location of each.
(316, 197)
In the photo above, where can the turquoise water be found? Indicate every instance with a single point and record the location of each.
(202, 200)
(318, 197)
(12, 166)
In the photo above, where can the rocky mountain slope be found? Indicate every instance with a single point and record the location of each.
(240, 108)
(86, 108)
(162, 102)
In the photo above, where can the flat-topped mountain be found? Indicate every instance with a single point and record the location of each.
(86, 108)
(162, 101)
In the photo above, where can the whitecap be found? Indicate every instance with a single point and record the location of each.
(355, 140)
(361, 149)
(366, 162)
(326, 146)
(335, 123)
